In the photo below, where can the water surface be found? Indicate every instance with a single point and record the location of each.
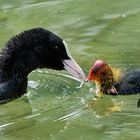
(54, 108)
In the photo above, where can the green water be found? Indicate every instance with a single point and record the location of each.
(54, 109)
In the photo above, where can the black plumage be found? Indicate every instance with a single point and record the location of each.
(129, 83)
(31, 49)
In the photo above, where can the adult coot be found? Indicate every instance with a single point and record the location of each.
(111, 81)
(32, 49)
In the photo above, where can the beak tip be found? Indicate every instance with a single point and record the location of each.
(86, 79)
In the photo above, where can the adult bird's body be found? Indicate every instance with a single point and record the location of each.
(32, 49)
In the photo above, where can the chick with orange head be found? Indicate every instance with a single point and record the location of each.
(104, 76)
(112, 81)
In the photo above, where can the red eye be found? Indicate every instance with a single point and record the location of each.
(56, 47)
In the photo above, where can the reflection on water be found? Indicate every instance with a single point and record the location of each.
(54, 108)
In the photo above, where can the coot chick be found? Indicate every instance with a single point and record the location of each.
(32, 49)
(113, 82)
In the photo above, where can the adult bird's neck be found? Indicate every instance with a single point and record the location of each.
(13, 75)
(15, 68)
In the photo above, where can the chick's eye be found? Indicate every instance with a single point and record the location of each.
(95, 70)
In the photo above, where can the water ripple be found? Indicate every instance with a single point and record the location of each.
(121, 15)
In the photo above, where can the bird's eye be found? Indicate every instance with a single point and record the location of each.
(56, 48)
(95, 70)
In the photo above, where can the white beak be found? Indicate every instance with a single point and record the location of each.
(72, 67)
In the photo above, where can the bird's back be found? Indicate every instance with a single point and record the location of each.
(130, 83)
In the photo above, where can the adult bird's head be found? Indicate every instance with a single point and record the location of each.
(50, 51)
(103, 75)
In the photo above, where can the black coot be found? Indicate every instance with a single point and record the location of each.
(32, 49)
